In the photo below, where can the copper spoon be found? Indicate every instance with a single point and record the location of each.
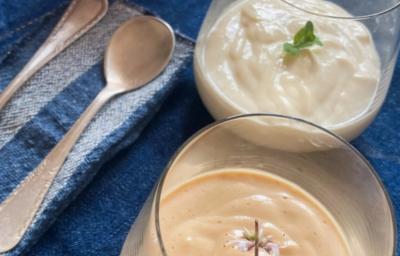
(137, 53)
(80, 16)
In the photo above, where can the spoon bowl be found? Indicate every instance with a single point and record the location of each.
(138, 51)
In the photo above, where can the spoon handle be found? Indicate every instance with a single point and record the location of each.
(80, 16)
(19, 209)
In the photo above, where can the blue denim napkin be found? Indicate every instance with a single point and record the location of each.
(40, 113)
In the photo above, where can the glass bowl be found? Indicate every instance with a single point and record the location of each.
(338, 176)
(381, 17)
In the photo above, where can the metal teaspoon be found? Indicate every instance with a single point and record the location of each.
(80, 16)
(137, 53)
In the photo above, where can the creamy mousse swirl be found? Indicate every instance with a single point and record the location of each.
(242, 59)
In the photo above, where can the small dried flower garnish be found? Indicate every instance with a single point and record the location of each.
(245, 241)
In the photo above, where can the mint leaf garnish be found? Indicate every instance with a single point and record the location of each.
(304, 38)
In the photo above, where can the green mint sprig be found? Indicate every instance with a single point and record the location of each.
(304, 38)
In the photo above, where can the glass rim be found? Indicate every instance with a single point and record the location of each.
(356, 17)
(216, 123)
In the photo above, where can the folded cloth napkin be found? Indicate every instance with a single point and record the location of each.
(38, 116)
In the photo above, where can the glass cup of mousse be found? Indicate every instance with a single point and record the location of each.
(234, 188)
(326, 61)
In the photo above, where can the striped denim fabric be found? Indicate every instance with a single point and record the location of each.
(40, 113)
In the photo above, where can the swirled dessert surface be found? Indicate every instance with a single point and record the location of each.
(242, 59)
(202, 216)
